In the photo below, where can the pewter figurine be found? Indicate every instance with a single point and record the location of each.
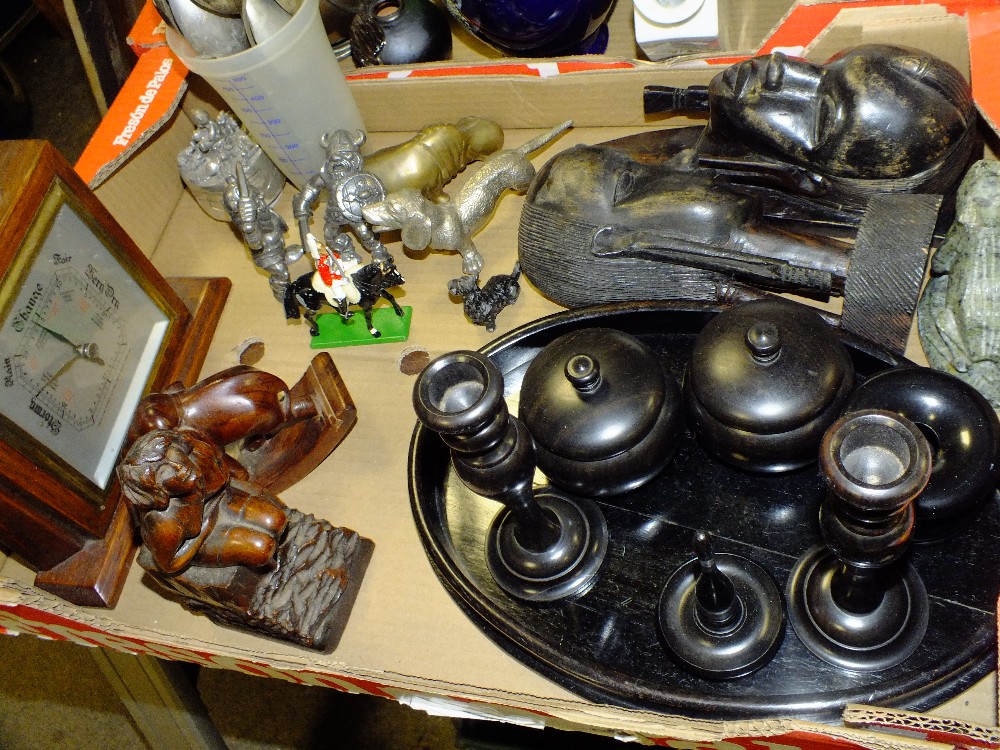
(208, 161)
(482, 304)
(434, 156)
(350, 188)
(263, 230)
(450, 224)
(958, 317)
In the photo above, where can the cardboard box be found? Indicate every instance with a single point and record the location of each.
(407, 640)
(522, 93)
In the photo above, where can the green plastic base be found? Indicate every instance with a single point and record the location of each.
(334, 331)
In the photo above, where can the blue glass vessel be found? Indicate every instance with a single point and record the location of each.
(536, 28)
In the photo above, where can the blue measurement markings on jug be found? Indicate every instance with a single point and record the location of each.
(264, 121)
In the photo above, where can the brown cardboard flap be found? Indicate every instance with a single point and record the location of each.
(927, 27)
(744, 25)
(933, 728)
(589, 98)
(143, 197)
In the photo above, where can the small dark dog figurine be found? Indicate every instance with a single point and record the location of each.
(482, 305)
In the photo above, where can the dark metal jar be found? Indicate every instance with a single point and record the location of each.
(604, 413)
(765, 380)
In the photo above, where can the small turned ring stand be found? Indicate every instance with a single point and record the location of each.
(543, 546)
(850, 602)
(721, 616)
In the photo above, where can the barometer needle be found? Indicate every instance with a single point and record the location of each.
(60, 371)
(89, 352)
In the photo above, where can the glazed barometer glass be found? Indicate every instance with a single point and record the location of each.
(78, 342)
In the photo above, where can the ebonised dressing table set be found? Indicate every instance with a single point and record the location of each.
(682, 478)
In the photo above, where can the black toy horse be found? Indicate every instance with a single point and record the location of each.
(372, 281)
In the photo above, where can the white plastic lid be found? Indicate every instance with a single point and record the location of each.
(667, 11)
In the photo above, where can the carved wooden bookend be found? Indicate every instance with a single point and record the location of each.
(213, 530)
(284, 433)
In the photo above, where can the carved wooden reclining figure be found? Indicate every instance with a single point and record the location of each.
(773, 192)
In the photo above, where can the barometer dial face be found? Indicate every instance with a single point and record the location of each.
(79, 340)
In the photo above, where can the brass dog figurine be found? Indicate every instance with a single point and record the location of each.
(451, 223)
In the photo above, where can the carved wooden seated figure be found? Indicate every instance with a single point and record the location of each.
(192, 510)
(214, 533)
(771, 192)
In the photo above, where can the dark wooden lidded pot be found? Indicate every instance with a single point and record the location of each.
(604, 413)
(764, 382)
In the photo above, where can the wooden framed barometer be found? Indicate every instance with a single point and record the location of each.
(87, 328)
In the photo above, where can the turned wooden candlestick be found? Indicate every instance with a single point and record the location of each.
(852, 601)
(543, 545)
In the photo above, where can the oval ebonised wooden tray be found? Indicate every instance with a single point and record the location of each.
(605, 645)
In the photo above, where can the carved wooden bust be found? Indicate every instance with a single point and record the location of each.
(770, 194)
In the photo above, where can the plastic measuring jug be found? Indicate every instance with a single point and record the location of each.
(287, 91)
